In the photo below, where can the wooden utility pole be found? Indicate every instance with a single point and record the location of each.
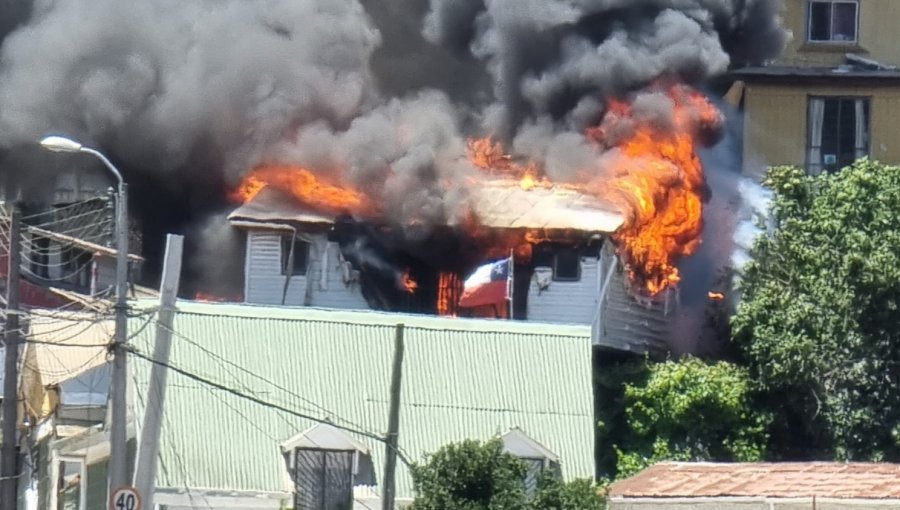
(391, 441)
(9, 450)
(148, 449)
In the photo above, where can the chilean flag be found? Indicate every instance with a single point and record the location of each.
(488, 285)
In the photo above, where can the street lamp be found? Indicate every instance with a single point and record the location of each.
(118, 475)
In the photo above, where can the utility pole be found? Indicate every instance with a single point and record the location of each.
(391, 442)
(148, 450)
(118, 462)
(9, 451)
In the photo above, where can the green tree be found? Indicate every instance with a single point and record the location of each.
(690, 410)
(472, 475)
(818, 324)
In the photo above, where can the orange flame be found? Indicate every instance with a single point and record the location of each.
(449, 290)
(212, 298)
(715, 296)
(407, 283)
(309, 188)
(658, 182)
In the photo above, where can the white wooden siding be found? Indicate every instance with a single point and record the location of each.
(564, 302)
(626, 322)
(264, 283)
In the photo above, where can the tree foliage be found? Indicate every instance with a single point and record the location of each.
(819, 323)
(690, 410)
(472, 475)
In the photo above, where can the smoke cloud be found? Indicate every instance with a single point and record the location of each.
(380, 94)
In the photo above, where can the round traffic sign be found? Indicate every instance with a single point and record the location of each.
(125, 498)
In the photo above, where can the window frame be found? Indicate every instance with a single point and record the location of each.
(831, 40)
(284, 242)
(555, 266)
(354, 462)
(809, 146)
(82, 480)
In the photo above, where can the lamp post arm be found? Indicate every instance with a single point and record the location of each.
(99, 155)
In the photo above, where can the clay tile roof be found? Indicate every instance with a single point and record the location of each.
(776, 480)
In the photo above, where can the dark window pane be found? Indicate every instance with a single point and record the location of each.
(566, 265)
(819, 21)
(843, 23)
(830, 133)
(300, 256)
(846, 133)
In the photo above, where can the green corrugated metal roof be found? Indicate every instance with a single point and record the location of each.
(461, 379)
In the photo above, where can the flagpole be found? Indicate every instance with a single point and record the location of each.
(512, 282)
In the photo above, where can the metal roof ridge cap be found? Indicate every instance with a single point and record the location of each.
(365, 317)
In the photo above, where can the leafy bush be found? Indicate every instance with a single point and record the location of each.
(690, 410)
(472, 475)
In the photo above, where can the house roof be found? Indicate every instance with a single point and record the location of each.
(776, 480)
(501, 205)
(462, 378)
(271, 205)
(497, 204)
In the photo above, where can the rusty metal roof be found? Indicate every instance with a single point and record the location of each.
(776, 480)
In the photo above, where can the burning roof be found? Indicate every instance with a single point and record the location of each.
(497, 204)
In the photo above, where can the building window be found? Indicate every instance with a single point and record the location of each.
(323, 479)
(40, 257)
(77, 266)
(833, 21)
(838, 132)
(70, 484)
(566, 265)
(294, 256)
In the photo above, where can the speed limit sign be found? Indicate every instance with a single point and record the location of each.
(125, 498)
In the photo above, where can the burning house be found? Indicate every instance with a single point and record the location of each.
(410, 142)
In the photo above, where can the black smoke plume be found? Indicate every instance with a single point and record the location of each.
(188, 95)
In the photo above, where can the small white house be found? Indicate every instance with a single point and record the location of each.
(289, 259)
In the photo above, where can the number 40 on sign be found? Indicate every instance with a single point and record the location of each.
(125, 498)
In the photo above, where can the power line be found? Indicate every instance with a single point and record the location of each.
(271, 383)
(264, 403)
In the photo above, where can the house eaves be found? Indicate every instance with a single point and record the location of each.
(797, 75)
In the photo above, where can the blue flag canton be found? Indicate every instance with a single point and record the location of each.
(500, 270)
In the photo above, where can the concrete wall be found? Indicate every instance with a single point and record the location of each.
(875, 34)
(760, 503)
(775, 122)
(264, 283)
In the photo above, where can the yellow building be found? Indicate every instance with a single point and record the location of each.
(834, 94)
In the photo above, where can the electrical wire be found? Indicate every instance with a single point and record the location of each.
(264, 403)
(244, 370)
